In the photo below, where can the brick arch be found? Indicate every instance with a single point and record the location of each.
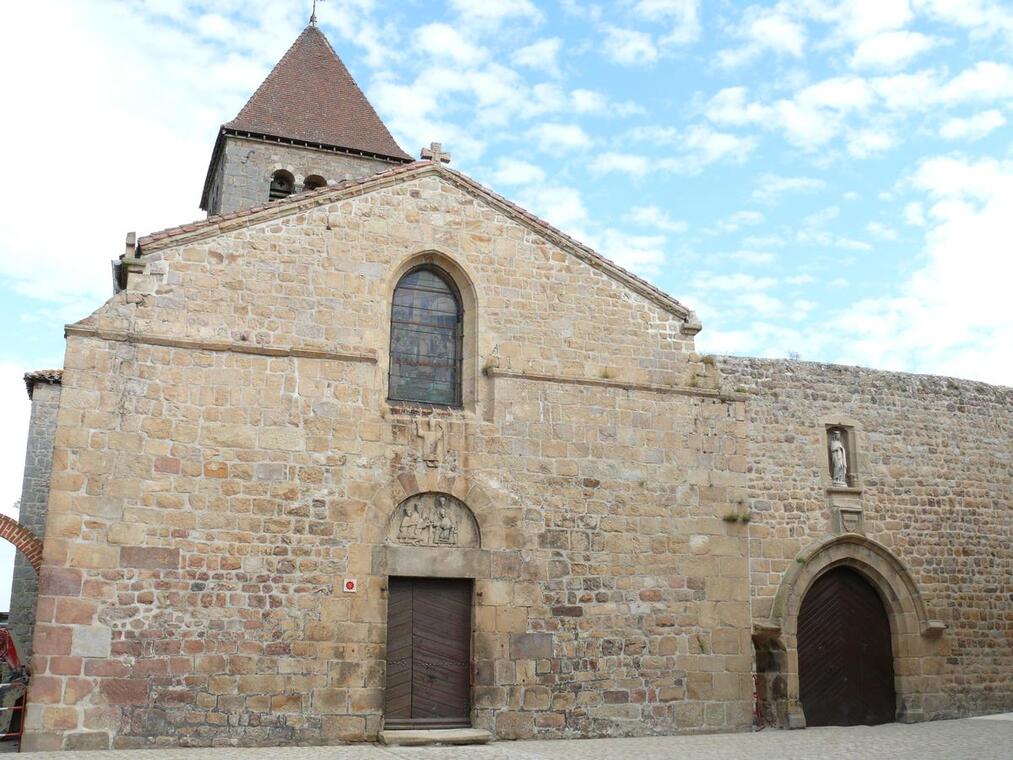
(23, 539)
(909, 622)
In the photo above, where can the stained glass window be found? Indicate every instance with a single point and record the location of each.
(425, 339)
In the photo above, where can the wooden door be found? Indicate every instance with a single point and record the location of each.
(845, 656)
(428, 653)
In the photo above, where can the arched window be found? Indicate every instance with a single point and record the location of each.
(282, 185)
(426, 338)
(313, 182)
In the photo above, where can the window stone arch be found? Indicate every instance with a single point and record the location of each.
(314, 182)
(467, 293)
(282, 185)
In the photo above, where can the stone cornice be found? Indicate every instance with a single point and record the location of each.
(235, 347)
(676, 390)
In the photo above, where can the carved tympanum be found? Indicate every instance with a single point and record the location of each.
(433, 519)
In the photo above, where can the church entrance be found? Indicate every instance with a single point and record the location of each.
(845, 656)
(428, 654)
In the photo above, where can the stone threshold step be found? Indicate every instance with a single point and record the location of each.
(434, 736)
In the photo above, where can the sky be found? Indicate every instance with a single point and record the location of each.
(829, 181)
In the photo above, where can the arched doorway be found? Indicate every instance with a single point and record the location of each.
(845, 653)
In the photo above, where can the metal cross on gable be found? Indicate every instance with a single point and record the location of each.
(313, 14)
(435, 153)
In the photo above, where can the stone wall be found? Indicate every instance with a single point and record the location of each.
(226, 457)
(933, 481)
(242, 175)
(34, 501)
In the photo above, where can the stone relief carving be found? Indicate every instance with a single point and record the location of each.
(838, 460)
(434, 440)
(433, 519)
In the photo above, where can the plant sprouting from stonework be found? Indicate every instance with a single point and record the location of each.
(701, 644)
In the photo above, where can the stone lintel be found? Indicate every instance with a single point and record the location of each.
(432, 562)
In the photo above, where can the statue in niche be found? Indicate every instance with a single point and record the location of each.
(433, 519)
(838, 460)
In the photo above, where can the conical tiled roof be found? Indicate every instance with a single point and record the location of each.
(311, 97)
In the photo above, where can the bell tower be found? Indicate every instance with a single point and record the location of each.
(307, 126)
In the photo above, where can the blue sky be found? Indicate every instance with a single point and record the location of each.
(827, 179)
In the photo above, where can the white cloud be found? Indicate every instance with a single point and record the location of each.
(862, 19)
(588, 101)
(876, 229)
(763, 30)
(542, 54)
(440, 40)
(865, 113)
(801, 279)
(973, 127)
(653, 134)
(640, 253)
(983, 17)
(652, 216)
(986, 81)
(967, 272)
(734, 222)
(562, 207)
(512, 171)
(491, 13)
(770, 187)
(862, 143)
(684, 15)
(629, 46)
(736, 282)
(622, 163)
(552, 138)
(746, 256)
(729, 106)
(891, 50)
(914, 214)
(702, 146)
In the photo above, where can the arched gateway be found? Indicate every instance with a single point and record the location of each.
(846, 610)
(845, 654)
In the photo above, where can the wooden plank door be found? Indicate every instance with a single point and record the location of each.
(845, 654)
(428, 653)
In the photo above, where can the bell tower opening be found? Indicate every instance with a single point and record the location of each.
(308, 115)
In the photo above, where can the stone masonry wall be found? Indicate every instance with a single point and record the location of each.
(244, 170)
(935, 472)
(208, 501)
(34, 501)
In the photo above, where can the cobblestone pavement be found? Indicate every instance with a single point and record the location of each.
(989, 738)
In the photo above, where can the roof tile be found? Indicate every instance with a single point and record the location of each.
(311, 97)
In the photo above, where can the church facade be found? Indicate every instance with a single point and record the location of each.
(373, 448)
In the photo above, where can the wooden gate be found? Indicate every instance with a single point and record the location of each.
(428, 654)
(845, 656)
